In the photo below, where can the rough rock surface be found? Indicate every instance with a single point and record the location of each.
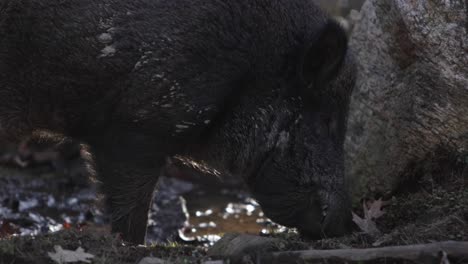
(411, 99)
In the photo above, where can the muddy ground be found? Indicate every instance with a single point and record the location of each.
(41, 209)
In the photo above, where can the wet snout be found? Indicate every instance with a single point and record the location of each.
(325, 220)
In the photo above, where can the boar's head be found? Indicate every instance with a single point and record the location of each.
(300, 181)
(284, 134)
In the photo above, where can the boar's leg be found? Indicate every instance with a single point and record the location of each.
(128, 166)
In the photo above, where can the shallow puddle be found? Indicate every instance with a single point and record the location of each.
(215, 212)
(38, 201)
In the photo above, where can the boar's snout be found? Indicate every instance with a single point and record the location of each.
(315, 214)
(329, 220)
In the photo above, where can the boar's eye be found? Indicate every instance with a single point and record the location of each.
(324, 57)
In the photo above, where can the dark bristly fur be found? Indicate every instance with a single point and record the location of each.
(258, 88)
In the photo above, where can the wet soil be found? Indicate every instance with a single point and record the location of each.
(40, 209)
(39, 201)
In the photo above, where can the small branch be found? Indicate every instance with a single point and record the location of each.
(424, 253)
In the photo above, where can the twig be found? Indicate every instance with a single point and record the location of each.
(423, 253)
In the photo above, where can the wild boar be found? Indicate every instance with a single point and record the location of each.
(257, 88)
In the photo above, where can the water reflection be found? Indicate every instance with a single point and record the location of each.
(214, 211)
(35, 203)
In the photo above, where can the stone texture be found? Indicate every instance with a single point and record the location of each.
(411, 98)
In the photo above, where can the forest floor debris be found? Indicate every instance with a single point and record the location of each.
(435, 210)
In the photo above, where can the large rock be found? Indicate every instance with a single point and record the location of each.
(411, 99)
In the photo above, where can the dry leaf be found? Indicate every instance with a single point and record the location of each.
(63, 256)
(371, 212)
(374, 210)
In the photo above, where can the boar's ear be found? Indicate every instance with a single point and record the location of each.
(324, 56)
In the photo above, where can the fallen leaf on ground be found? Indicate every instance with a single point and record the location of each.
(372, 211)
(7, 229)
(63, 256)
